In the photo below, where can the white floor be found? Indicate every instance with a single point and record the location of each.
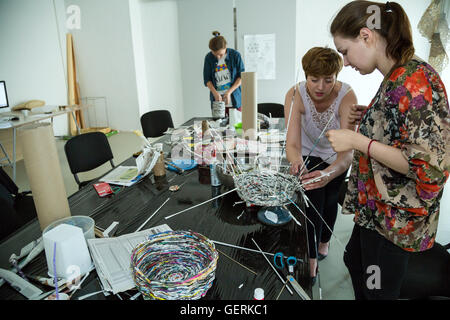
(334, 279)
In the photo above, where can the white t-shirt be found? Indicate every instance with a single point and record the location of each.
(223, 77)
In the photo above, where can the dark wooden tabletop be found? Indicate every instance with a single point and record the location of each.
(225, 219)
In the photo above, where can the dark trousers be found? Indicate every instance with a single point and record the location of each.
(377, 266)
(325, 200)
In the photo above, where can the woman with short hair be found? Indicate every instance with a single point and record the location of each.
(319, 103)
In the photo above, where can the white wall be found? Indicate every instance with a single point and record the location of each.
(105, 61)
(314, 20)
(197, 19)
(271, 17)
(162, 56)
(31, 62)
(139, 55)
(196, 23)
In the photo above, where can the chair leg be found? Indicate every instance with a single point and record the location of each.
(77, 180)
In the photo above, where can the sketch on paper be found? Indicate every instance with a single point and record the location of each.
(260, 55)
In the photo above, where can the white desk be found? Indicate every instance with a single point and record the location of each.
(32, 117)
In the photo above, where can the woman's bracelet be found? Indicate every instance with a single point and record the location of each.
(368, 147)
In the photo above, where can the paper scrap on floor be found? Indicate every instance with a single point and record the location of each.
(112, 258)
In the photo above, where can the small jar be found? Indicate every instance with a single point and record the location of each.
(159, 169)
(258, 294)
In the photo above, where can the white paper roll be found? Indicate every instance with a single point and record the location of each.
(249, 105)
(44, 173)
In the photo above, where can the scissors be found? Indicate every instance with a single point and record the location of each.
(278, 260)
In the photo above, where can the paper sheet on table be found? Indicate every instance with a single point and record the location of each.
(129, 175)
(122, 175)
(112, 257)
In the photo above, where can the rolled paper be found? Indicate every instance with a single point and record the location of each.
(249, 105)
(159, 169)
(44, 173)
(205, 127)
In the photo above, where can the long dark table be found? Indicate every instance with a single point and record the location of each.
(220, 220)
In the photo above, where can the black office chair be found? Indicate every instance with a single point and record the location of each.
(17, 208)
(155, 123)
(86, 152)
(275, 109)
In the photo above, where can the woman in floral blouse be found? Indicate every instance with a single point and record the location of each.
(400, 163)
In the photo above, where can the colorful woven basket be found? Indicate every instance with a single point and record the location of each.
(174, 265)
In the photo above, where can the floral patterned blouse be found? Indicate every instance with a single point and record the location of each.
(407, 113)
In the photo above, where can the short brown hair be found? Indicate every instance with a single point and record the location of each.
(320, 61)
(217, 42)
(394, 26)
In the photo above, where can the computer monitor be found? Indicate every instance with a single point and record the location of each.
(3, 95)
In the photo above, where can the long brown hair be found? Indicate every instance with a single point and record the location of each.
(217, 42)
(394, 26)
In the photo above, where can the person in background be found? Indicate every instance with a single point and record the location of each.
(400, 163)
(320, 103)
(222, 73)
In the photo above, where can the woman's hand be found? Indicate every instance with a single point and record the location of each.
(227, 98)
(296, 166)
(318, 183)
(217, 96)
(356, 112)
(341, 140)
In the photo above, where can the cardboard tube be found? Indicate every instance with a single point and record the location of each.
(249, 105)
(44, 173)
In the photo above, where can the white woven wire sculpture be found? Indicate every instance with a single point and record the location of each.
(267, 187)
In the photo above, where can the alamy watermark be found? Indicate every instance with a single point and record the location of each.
(374, 280)
(73, 21)
(374, 20)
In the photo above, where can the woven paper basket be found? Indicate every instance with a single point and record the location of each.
(267, 188)
(174, 265)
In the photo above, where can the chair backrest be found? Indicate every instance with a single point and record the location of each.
(155, 123)
(87, 151)
(275, 109)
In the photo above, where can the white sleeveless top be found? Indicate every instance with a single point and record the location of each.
(313, 122)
